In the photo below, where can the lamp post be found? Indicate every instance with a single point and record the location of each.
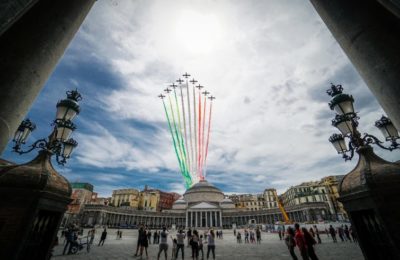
(34, 195)
(59, 141)
(370, 191)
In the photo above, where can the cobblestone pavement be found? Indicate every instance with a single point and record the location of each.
(227, 248)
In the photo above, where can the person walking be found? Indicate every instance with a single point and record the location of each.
(239, 238)
(69, 237)
(174, 248)
(258, 235)
(149, 236)
(189, 236)
(332, 233)
(353, 234)
(211, 244)
(91, 234)
(143, 243)
(180, 237)
(195, 245)
(340, 233)
(141, 229)
(347, 233)
(163, 243)
(310, 241)
(201, 246)
(317, 234)
(290, 242)
(246, 236)
(300, 242)
(155, 237)
(103, 237)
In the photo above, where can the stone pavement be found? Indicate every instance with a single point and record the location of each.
(270, 248)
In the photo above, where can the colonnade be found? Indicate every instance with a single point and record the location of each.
(203, 218)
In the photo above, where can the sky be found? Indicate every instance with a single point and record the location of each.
(268, 63)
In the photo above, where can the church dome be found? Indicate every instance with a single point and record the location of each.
(226, 200)
(203, 191)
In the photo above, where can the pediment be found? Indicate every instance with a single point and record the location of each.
(204, 205)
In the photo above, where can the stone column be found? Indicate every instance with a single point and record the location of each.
(369, 35)
(29, 50)
(220, 219)
(187, 218)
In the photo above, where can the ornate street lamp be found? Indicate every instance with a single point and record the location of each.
(59, 141)
(346, 120)
(369, 192)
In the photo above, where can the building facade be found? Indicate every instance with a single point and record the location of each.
(332, 184)
(126, 197)
(202, 206)
(309, 193)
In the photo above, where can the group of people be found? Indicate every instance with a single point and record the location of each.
(250, 236)
(194, 240)
(305, 240)
(344, 232)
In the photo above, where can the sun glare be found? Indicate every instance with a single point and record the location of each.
(198, 33)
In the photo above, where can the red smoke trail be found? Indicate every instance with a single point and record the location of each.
(199, 139)
(202, 137)
(208, 133)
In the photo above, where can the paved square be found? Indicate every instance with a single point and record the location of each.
(227, 248)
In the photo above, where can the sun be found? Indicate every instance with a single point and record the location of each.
(198, 33)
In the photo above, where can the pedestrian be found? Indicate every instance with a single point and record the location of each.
(290, 242)
(201, 246)
(222, 235)
(211, 244)
(239, 238)
(174, 248)
(164, 243)
(317, 234)
(234, 231)
(332, 233)
(149, 236)
(310, 241)
(92, 234)
(141, 229)
(311, 231)
(155, 237)
(340, 233)
(69, 237)
(180, 237)
(279, 233)
(103, 237)
(144, 242)
(195, 245)
(300, 242)
(353, 234)
(347, 232)
(189, 236)
(117, 237)
(258, 235)
(246, 236)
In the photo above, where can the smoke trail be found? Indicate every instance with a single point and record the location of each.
(202, 135)
(199, 133)
(190, 129)
(184, 127)
(180, 129)
(195, 127)
(178, 139)
(208, 136)
(176, 151)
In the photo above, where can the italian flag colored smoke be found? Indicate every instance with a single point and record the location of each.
(189, 123)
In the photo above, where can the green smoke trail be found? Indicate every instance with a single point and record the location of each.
(173, 139)
(180, 132)
(188, 179)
